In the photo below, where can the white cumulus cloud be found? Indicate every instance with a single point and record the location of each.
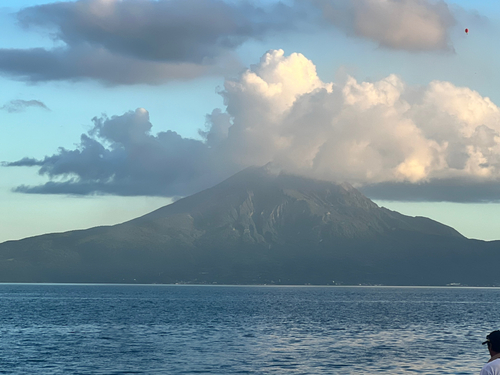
(362, 132)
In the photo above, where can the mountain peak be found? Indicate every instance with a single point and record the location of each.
(264, 199)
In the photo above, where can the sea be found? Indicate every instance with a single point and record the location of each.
(186, 329)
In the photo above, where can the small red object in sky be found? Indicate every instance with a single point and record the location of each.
(467, 31)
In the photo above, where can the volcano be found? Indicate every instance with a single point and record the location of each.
(260, 227)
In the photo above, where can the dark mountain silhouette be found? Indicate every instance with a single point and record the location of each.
(259, 227)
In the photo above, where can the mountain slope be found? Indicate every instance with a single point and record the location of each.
(259, 227)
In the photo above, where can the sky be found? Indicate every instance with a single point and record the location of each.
(110, 109)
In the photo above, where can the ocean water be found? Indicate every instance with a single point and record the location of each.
(159, 329)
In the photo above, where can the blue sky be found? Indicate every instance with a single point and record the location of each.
(405, 111)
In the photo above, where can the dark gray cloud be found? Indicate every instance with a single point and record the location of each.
(448, 190)
(87, 62)
(15, 106)
(174, 31)
(139, 41)
(120, 156)
(413, 25)
(154, 41)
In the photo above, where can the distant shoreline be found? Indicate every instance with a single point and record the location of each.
(263, 285)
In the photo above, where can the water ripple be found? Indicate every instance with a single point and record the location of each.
(106, 329)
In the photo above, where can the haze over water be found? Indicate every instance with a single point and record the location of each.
(113, 329)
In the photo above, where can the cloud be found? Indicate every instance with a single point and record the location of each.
(436, 142)
(87, 62)
(445, 190)
(120, 156)
(15, 106)
(139, 41)
(414, 25)
(154, 41)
